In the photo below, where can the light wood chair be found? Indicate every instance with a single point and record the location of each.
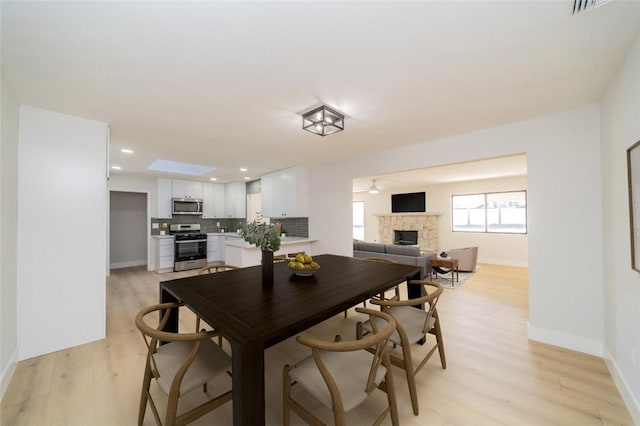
(342, 374)
(185, 362)
(215, 267)
(385, 260)
(382, 260)
(212, 269)
(412, 326)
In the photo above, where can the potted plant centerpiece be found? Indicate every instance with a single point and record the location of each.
(267, 238)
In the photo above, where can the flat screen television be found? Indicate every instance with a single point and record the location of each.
(413, 202)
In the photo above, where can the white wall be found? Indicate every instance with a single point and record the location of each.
(500, 249)
(564, 177)
(62, 211)
(9, 232)
(620, 115)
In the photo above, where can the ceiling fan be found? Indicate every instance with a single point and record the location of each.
(361, 187)
(373, 189)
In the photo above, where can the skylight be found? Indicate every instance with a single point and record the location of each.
(168, 166)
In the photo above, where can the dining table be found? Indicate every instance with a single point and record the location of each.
(254, 317)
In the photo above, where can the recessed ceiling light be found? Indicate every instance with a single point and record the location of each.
(213, 179)
(126, 151)
(116, 167)
(247, 177)
(169, 166)
(243, 169)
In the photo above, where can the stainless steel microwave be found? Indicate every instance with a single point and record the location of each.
(186, 206)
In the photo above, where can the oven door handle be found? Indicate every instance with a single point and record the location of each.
(190, 241)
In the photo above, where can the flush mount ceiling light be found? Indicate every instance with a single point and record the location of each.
(323, 121)
(584, 5)
(373, 189)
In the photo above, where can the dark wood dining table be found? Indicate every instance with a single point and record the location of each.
(253, 317)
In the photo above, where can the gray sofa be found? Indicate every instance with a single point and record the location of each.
(408, 255)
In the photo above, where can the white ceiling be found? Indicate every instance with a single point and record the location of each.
(224, 84)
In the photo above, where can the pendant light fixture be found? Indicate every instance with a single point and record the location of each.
(323, 121)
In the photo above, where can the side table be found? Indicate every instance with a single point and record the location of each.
(450, 263)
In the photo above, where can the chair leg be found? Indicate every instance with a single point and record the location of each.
(411, 378)
(146, 383)
(359, 333)
(286, 394)
(439, 340)
(172, 409)
(437, 332)
(391, 392)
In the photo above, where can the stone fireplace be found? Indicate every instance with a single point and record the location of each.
(426, 225)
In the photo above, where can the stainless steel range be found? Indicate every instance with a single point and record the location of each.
(190, 246)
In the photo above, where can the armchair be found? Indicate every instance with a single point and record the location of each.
(467, 257)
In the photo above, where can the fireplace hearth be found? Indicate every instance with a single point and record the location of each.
(405, 238)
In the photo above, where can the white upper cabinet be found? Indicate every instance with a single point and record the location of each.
(219, 199)
(213, 200)
(187, 189)
(163, 198)
(236, 200)
(285, 193)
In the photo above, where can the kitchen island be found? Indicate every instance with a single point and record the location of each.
(240, 253)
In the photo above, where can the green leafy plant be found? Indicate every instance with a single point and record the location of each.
(262, 235)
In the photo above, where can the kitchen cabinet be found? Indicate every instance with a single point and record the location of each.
(163, 198)
(285, 193)
(223, 245)
(235, 200)
(213, 200)
(213, 248)
(164, 253)
(186, 189)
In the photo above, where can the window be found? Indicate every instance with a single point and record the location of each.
(497, 212)
(358, 220)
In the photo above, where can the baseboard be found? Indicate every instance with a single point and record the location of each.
(564, 340)
(623, 387)
(128, 264)
(504, 262)
(7, 373)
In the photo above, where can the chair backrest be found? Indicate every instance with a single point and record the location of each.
(280, 258)
(209, 269)
(376, 343)
(429, 299)
(154, 335)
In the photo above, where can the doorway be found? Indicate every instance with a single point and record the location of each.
(127, 229)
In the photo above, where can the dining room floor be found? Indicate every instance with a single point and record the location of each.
(494, 375)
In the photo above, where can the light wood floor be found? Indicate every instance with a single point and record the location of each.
(495, 376)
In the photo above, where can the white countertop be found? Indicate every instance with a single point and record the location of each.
(161, 237)
(283, 242)
(224, 234)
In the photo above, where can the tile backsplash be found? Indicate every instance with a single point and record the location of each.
(294, 227)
